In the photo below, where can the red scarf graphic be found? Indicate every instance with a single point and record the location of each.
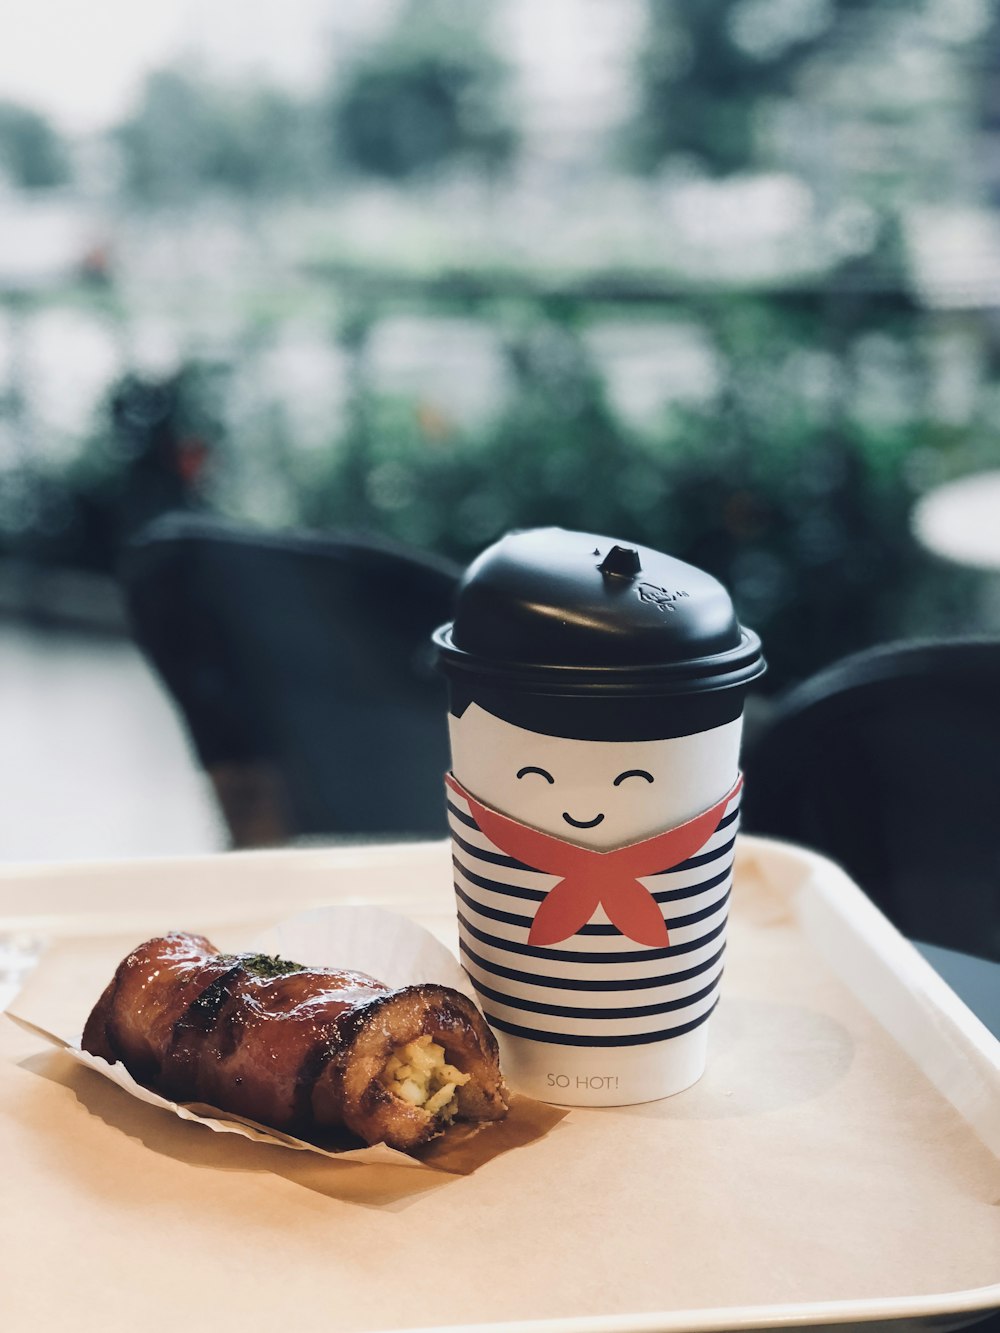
(590, 878)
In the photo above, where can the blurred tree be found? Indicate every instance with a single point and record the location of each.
(430, 92)
(32, 154)
(706, 71)
(158, 439)
(190, 134)
(153, 446)
(987, 104)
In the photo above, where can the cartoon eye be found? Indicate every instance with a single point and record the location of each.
(633, 773)
(541, 771)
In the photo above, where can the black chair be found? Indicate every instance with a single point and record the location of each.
(301, 665)
(889, 763)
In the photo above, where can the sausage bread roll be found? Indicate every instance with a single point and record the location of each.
(304, 1050)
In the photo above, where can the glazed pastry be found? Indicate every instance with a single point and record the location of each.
(303, 1050)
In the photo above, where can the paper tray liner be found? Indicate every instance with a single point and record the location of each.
(831, 1165)
(393, 948)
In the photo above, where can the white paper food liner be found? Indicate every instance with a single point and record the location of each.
(365, 939)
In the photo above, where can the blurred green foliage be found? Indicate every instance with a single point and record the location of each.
(703, 69)
(32, 155)
(782, 485)
(154, 445)
(791, 476)
(432, 92)
(190, 135)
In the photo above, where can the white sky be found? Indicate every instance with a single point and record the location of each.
(82, 61)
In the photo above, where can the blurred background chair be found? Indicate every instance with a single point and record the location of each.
(888, 762)
(301, 665)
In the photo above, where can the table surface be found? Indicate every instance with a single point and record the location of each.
(976, 981)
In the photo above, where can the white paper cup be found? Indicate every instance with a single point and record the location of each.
(596, 695)
(597, 1018)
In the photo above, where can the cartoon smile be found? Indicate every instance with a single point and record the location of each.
(534, 770)
(582, 823)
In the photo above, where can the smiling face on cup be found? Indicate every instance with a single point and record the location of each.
(594, 793)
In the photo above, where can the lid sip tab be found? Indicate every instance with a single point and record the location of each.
(620, 562)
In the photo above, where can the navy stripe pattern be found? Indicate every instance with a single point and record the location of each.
(598, 988)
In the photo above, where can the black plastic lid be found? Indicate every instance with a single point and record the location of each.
(552, 612)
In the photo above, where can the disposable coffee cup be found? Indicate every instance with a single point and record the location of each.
(596, 696)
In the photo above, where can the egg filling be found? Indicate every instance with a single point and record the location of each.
(420, 1074)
